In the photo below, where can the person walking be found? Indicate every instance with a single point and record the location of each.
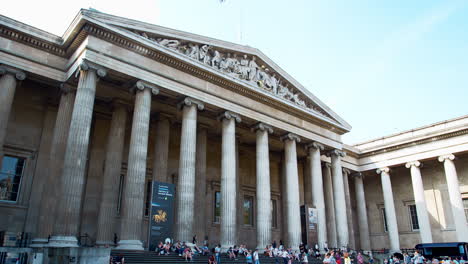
(218, 254)
(255, 256)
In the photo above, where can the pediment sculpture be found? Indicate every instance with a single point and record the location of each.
(244, 68)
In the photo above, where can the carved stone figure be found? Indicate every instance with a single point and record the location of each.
(253, 70)
(274, 83)
(193, 51)
(298, 100)
(284, 92)
(232, 63)
(168, 43)
(224, 64)
(215, 61)
(263, 80)
(244, 68)
(204, 55)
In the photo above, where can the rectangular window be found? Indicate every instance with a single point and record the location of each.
(149, 185)
(10, 178)
(274, 217)
(413, 217)
(248, 210)
(217, 207)
(465, 205)
(384, 219)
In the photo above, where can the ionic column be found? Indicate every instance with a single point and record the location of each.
(112, 168)
(459, 218)
(161, 148)
(185, 198)
(390, 214)
(131, 215)
(8, 82)
(74, 165)
(228, 179)
(49, 195)
(200, 186)
(420, 201)
(330, 206)
(362, 212)
(291, 181)
(339, 198)
(263, 185)
(349, 210)
(318, 199)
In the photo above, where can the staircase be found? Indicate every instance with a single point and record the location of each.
(143, 257)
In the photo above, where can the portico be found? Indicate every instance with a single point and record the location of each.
(244, 143)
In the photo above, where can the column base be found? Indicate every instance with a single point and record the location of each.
(63, 241)
(130, 245)
(39, 242)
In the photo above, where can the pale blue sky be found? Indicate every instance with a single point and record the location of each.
(383, 66)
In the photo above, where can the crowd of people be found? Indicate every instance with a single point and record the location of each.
(285, 255)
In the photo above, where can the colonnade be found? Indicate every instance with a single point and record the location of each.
(68, 158)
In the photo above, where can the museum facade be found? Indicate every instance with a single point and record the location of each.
(90, 119)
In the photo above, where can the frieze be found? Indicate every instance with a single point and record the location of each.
(244, 67)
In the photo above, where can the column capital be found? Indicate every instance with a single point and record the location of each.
(188, 101)
(86, 65)
(290, 136)
(357, 174)
(228, 115)
(66, 88)
(384, 169)
(446, 157)
(336, 152)
(415, 163)
(142, 85)
(263, 127)
(326, 164)
(19, 74)
(346, 171)
(315, 145)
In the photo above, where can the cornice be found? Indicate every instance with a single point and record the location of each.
(30, 40)
(414, 143)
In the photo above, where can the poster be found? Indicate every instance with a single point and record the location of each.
(312, 218)
(162, 213)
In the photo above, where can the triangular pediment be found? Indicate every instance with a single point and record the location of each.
(243, 63)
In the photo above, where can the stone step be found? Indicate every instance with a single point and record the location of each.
(145, 257)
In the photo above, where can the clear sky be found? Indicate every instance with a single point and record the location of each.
(383, 66)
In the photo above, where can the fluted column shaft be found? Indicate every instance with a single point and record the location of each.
(318, 199)
(263, 186)
(112, 168)
(161, 149)
(228, 180)
(49, 199)
(339, 199)
(200, 186)
(349, 210)
(390, 213)
(293, 214)
(134, 182)
(74, 166)
(330, 206)
(186, 183)
(7, 92)
(420, 201)
(456, 202)
(362, 213)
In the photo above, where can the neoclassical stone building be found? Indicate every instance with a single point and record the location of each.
(88, 120)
